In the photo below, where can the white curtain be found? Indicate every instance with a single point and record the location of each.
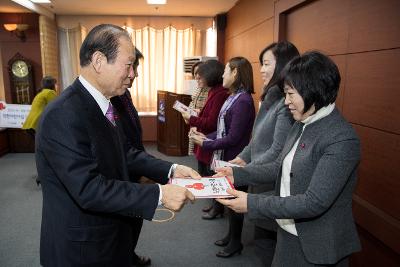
(70, 41)
(162, 67)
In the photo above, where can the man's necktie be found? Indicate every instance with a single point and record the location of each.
(110, 114)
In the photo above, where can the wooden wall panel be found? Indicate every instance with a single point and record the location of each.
(374, 25)
(308, 29)
(250, 43)
(149, 127)
(378, 172)
(246, 14)
(372, 89)
(341, 63)
(4, 146)
(363, 38)
(11, 45)
(250, 29)
(378, 253)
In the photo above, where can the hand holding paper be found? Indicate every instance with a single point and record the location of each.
(175, 197)
(193, 131)
(185, 116)
(198, 137)
(225, 171)
(184, 171)
(238, 161)
(216, 163)
(179, 106)
(238, 204)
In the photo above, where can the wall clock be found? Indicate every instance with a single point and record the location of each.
(21, 80)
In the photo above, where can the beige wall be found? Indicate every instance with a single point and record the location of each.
(250, 28)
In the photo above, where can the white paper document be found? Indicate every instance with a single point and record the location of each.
(179, 106)
(220, 163)
(206, 187)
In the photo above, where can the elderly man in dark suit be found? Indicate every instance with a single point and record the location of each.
(132, 128)
(85, 166)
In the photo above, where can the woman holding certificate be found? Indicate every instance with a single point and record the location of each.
(270, 129)
(208, 75)
(315, 174)
(235, 121)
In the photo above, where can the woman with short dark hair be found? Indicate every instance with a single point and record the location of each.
(209, 75)
(199, 97)
(315, 174)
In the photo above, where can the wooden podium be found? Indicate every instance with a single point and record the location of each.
(172, 131)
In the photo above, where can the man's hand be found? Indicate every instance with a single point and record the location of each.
(182, 171)
(174, 197)
(238, 204)
(238, 161)
(225, 171)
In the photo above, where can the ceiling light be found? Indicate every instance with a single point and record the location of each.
(10, 27)
(156, 2)
(18, 29)
(41, 1)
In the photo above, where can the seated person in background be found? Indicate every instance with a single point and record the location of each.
(132, 128)
(44, 97)
(315, 175)
(235, 122)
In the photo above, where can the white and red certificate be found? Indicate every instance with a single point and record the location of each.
(179, 106)
(206, 187)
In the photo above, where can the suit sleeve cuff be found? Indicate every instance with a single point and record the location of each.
(160, 195)
(172, 171)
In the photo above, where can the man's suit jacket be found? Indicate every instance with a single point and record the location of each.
(129, 119)
(84, 171)
(130, 122)
(323, 178)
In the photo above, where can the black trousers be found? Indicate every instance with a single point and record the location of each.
(204, 169)
(136, 224)
(236, 223)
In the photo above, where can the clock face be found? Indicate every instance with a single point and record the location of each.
(19, 68)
